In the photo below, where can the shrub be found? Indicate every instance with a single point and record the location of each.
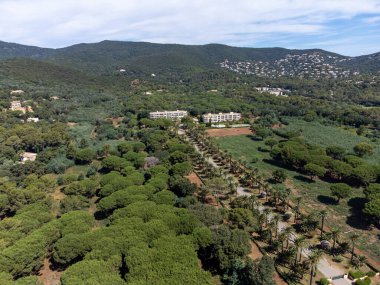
(338, 259)
(365, 281)
(356, 274)
(254, 160)
(323, 281)
(287, 216)
(371, 273)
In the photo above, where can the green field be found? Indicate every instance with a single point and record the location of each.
(316, 195)
(318, 134)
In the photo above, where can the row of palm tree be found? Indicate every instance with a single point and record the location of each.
(268, 222)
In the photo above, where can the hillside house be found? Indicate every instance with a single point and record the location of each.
(32, 120)
(28, 156)
(16, 106)
(17, 92)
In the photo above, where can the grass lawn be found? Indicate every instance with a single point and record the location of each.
(316, 195)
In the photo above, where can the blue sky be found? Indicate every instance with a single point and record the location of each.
(349, 27)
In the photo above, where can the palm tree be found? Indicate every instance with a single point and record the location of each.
(323, 215)
(299, 243)
(354, 237)
(296, 211)
(272, 227)
(266, 213)
(314, 258)
(288, 232)
(335, 233)
(361, 260)
(282, 237)
(276, 220)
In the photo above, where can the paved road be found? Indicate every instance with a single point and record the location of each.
(324, 266)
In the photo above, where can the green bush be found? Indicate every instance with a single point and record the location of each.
(365, 281)
(338, 259)
(356, 274)
(371, 273)
(323, 281)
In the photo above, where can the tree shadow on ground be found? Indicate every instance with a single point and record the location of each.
(304, 179)
(357, 219)
(254, 138)
(327, 200)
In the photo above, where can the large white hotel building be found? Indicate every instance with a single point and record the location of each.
(221, 117)
(174, 115)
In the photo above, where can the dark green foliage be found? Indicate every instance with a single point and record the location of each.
(85, 155)
(241, 218)
(362, 149)
(314, 170)
(258, 273)
(182, 169)
(137, 159)
(341, 191)
(86, 187)
(229, 246)
(115, 163)
(365, 281)
(74, 202)
(70, 248)
(164, 197)
(208, 215)
(356, 274)
(181, 186)
(279, 176)
(335, 151)
(94, 272)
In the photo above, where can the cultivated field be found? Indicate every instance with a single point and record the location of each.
(228, 132)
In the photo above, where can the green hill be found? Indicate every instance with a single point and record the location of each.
(140, 58)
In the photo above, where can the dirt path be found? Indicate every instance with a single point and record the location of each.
(57, 196)
(255, 251)
(47, 276)
(92, 208)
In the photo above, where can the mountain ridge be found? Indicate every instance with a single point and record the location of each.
(146, 58)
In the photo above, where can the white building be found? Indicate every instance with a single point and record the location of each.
(32, 120)
(174, 115)
(28, 156)
(17, 92)
(15, 105)
(221, 117)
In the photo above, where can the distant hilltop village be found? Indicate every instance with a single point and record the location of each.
(314, 65)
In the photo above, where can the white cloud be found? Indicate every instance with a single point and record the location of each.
(56, 23)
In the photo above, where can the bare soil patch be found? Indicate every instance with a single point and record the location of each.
(71, 124)
(276, 126)
(116, 121)
(255, 252)
(228, 132)
(193, 178)
(47, 276)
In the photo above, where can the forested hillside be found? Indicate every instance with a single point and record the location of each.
(170, 59)
(94, 191)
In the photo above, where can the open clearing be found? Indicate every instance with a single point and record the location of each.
(228, 132)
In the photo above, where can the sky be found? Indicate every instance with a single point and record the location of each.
(348, 27)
